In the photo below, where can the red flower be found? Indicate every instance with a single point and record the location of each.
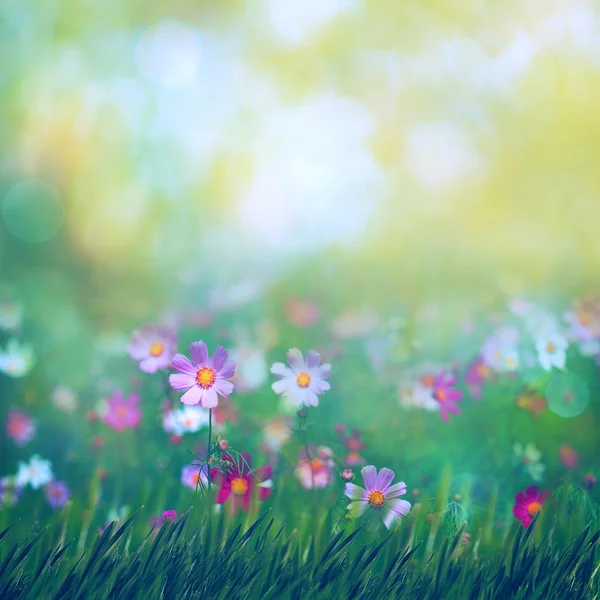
(239, 481)
(528, 503)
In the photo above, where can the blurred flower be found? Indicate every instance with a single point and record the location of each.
(9, 491)
(354, 323)
(194, 476)
(225, 413)
(465, 538)
(251, 368)
(11, 315)
(379, 496)
(159, 520)
(304, 381)
(353, 459)
(477, 374)
(500, 351)
(36, 473)
(353, 442)
(588, 481)
(277, 432)
(239, 481)
(57, 493)
(528, 504)
(301, 313)
(154, 346)
(187, 419)
(568, 456)
(532, 402)
(416, 389)
(20, 427)
(205, 377)
(223, 445)
(17, 360)
(122, 413)
(64, 399)
(519, 307)
(552, 352)
(446, 395)
(528, 457)
(316, 471)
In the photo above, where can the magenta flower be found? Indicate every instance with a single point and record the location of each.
(20, 427)
(205, 377)
(304, 380)
(568, 456)
(154, 346)
(122, 413)
(57, 493)
(159, 520)
(379, 496)
(529, 504)
(446, 395)
(477, 374)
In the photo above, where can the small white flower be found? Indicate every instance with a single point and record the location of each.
(187, 419)
(552, 352)
(36, 474)
(64, 399)
(17, 359)
(528, 458)
(11, 315)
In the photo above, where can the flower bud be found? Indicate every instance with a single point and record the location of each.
(347, 474)
(223, 445)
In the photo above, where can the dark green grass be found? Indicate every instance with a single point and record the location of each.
(209, 555)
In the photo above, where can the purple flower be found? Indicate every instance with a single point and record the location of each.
(159, 520)
(205, 377)
(446, 395)
(379, 496)
(303, 380)
(57, 493)
(154, 346)
(194, 476)
(122, 413)
(9, 492)
(477, 374)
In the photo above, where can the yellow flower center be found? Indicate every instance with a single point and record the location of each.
(121, 412)
(511, 361)
(440, 394)
(239, 486)
(156, 349)
(206, 377)
(584, 318)
(316, 464)
(550, 347)
(427, 380)
(376, 498)
(483, 371)
(303, 380)
(533, 508)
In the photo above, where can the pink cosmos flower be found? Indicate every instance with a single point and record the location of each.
(57, 493)
(353, 458)
(194, 476)
(316, 471)
(122, 413)
(379, 496)
(154, 346)
(528, 504)
(477, 374)
(205, 377)
(20, 427)
(303, 380)
(158, 521)
(301, 313)
(446, 395)
(239, 482)
(568, 456)
(588, 481)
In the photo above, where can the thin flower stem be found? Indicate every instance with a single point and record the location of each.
(208, 448)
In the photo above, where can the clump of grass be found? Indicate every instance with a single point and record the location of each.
(214, 557)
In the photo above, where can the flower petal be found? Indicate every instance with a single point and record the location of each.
(385, 477)
(369, 475)
(295, 359)
(193, 396)
(355, 492)
(199, 353)
(209, 398)
(181, 381)
(357, 509)
(223, 388)
(219, 358)
(281, 370)
(324, 371)
(313, 359)
(398, 489)
(227, 370)
(310, 398)
(318, 386)
(396, 510)
(183, 364)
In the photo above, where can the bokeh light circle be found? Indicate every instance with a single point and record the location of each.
(567, 394)
(33, 211)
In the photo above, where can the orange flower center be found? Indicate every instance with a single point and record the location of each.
(440, 394)
(550, 347)
(483, 371)
(376, 498)
(533, 508)
(121, 412)
(584, 318)
(427, 380)
(156, 349)
(303, 380)
(239, 486)
(316, 464)
(206, 377)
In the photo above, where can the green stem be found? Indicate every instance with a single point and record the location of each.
(208, 449)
